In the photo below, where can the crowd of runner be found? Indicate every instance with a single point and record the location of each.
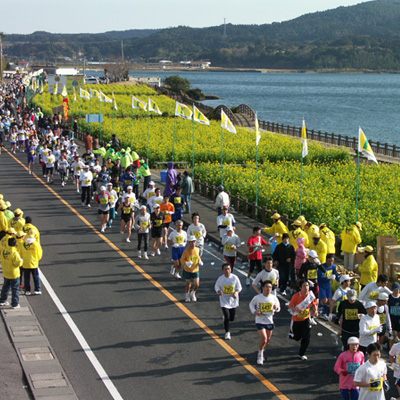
(301, 267)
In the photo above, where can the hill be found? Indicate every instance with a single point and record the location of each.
(364, 36)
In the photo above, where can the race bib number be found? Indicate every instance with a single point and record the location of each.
(266, 308)
(46, 153)
(370, 328)
(351, 315)
(382, 318)
(195, 259)
(158, 223)
(229, 289)
(104, 201)
(377, 388)
(226, 222)
(87, 181)
(177, 200)
(144, 224)
(229, 248)
(151, 194)
(312, 274)
(158, 202)
(197, 234)
(117, 189)
(127, 210)
(304, 314)
(351, 368)
(77, 169)
(128, 182)
(328, 273)
(32, 152)
(178, 239)
(374, 295)
(395, 310)
(112, 198)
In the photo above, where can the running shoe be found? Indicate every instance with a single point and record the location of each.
(88, 206)
(127, 240)
(248, 281)
(172, 270)
(312, 321)
(193, 296)
(145, 255)
(303, 358)
(62, 184)
(37, 292)
(227, 336)
(260, 360)
(187, 298)
(16, 307)
(166, 247)
(28, 293)
(177, 276)
(158, 252)
(283, 293)
(6, 303)
(139, 254)
(153, 254)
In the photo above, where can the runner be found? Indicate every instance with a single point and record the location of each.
(85, 178)
(31, 153)
(339, 295)
(371, 377)
(148, 193)
(268, 274)
(223, 220)
(63, 166)
(394, 309)
(373, 289)
(113, 201)
(228, 287)
(383, 313)
(142, 224)
(197, 230)
(126, 208)
(103, 199)
(302, 305)
(157, 220)
(370, 326)
(178, 201)
(167, 209)
(346, 366)
(394, 357)
(324, 284)
(191, 261)
(156, 199)
(255, 244)
(264, 306)
(178, 241)
(50, 160)
(231, 243)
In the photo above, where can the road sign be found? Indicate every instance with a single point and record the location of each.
(94, 117)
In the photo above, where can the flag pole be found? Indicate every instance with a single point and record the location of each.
(101, 135)
(358, 175)
(90, 112)
(194, 128)
(256, 164)
(148, 134)
(173, 144)
(80, 112)
(132, 127)
(222, 155)
(301, 182)
(114, 117)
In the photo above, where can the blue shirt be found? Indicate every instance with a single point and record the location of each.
(323, 277)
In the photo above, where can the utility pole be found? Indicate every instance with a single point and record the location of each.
(122, 50)
(224, 27)
(2, 35)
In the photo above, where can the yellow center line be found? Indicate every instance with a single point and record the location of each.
(168, 294)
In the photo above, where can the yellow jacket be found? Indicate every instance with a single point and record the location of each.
(4, 241)
(31, 254)
(329, 238)
(321, 250)
(10, 262)
(351, 238)
(293, 235)
(29, 228)
(277, 227)
(3, 221)
(368, 270)
(17, 223)
(310, 230)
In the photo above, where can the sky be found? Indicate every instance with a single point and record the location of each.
(95, 16)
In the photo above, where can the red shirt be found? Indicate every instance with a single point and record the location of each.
(255, 255)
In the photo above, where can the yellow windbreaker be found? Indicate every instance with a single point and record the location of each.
(31, 254)
(329, 238)
(368, 270)
(321, 250)
(351, 238)
(10, 262)
(277, 227)
(293, 235)
(312, 229)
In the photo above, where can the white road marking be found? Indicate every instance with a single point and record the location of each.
(82, 341)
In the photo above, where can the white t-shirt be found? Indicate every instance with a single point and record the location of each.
(50, 160)
(228, 242)
(224, 221)
(113, 197)
(368, 325)
(370, 373)
(131, 196)
(228, 286)
(86, 178)
(265, 304)
(155, 200)
(148, 194)
(199, 232)
(371, 292)
(264, 275)
(340, 293)
(395, 352)
(178, 239)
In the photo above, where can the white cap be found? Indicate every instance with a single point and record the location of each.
(370, 304)
(156, 206)
(345, 278)
(143, 207)
(109, 184)
(102, 188)
(151, 183)
(353, 340)
(129, 187)
(229, 228)
(313, 254)
(383, 296)
(191, 238)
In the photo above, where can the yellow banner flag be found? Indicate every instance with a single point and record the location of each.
(199, 117)
(226, 123)
(304, 152)
(364, 147)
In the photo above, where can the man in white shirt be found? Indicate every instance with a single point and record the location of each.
(372, 291)
(224, 220)
(370, 326)
(222, 199)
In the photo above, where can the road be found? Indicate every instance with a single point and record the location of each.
(132, 314)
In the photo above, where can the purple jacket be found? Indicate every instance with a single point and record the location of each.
(172, 180)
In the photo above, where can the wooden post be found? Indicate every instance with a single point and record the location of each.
(354, 143)
(236, 199)
(285, 219)
(339, 139)
(246, 206)
(394, 151)
(347, 141)
(264, 215)
(254, 207)
(386, 149)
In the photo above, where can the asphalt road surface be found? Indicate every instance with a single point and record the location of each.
(132, 314)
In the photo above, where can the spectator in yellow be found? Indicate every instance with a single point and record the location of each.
(277, 227)
(3, 220)
(351, 238)
(310, 229)
(31, 254)
(11, 232)
(368, 269)
(319, 246)
(17, 222)
(29, 228)
(11, 261)
(303, 221)
(296, 233)
(328, 237)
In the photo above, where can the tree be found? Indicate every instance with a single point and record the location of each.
(175, 82)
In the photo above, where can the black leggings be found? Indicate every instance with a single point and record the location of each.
(300, 330)
(229, 315)
(143, 236)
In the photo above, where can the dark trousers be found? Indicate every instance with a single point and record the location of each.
(85, 196)
(12, 284)
(229, 315)
(136, 191)
(144, 237)
(146, 181)
(27, 279)
(300, 330)
(283, 278)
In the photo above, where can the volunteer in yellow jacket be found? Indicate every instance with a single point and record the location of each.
(277, 227)
(319, 246)
(31, 254)
(11, 261)
(296, 233)
(3, 219)
(10, 232)
(351, 238)
(368, 269)
(310, 229)
(328, 237)
(191, 260)
(29, 228)
(17, 222)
